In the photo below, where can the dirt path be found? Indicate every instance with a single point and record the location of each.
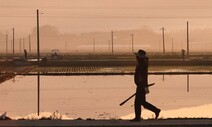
(108, 123)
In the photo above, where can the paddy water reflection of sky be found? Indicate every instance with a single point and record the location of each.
(99, 96)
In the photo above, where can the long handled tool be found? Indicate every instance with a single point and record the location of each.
(133, 95)
(126, 100)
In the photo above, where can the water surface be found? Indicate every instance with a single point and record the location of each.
(99, 96)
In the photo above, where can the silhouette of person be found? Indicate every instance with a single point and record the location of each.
(183, 54)
(25, 54)
(141, 81)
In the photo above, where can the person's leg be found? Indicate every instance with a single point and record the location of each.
(151, 107)
(137, 107)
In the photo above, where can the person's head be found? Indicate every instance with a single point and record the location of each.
(141, 56)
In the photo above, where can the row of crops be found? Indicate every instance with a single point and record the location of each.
(80, 70)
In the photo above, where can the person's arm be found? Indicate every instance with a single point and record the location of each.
(137, 76)
(146, 75)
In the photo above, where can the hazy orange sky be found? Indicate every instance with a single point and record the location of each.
(104, 15)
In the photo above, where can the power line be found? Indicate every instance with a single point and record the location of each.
(140, 7)
(110, 17)
(99, 15)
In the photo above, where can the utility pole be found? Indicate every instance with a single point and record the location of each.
(13, 42)
(29, 45)
(187, 39)
(172, 45)
(132, 43)
(38, 38)
(38, 59)
(94, 41)
(163, 40)
(20, 46)
(6, 44)
(112, 40)
(23, 43)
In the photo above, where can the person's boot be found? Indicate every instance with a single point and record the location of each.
(136, 119)
(157, 114)
(137, 108)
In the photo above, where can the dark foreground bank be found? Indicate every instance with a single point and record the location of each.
(108, 123)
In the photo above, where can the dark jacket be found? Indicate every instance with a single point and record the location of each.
(141, 73)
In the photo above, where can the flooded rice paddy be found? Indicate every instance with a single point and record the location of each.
(99, 97)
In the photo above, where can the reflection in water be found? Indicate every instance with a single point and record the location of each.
(38, 110)
(188, 82)
(99, 96)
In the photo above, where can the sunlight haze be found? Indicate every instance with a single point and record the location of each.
(85, 16)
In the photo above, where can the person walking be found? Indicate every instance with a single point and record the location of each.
(141, 81)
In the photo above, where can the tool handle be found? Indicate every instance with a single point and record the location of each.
(127, 100)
